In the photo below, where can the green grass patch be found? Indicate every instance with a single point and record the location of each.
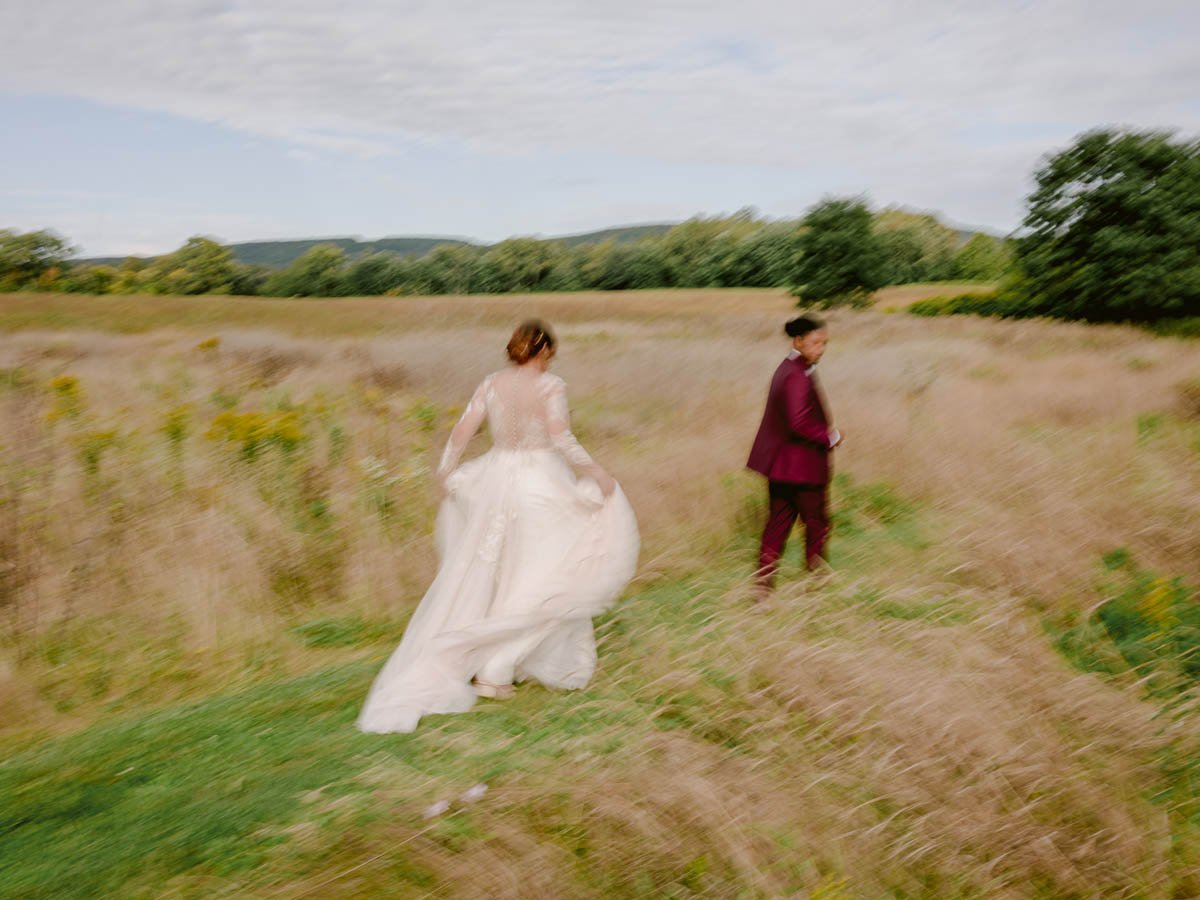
(174, 790)
(207, 790)
(347, 631)
(1149, 625)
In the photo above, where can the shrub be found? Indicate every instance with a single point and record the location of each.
(856, 299)
(990, 304)
(1188, 327)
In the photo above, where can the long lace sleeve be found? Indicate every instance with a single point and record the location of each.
(558, 427)
(462, 433)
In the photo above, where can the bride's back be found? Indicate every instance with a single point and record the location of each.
(518, 407)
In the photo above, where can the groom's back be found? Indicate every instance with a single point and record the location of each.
(772, 431)
(788, 450)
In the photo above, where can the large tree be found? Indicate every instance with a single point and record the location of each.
(916, 246)
(449, 268)
(200, 266)
(983, 258)
(369, 275)
(27, 257)
(695, 253)
(1113, 230)
(841, 256)
(624, 265)
(316, 273)
(518, 264)
(766, 257)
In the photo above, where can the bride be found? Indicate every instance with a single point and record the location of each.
(527, 553)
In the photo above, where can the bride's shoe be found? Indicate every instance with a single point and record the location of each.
(494, 691)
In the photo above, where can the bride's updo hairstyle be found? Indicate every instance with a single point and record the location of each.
(529, 339)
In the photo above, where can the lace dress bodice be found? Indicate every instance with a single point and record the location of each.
(525, 410)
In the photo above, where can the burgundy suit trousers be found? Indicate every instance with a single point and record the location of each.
(789, 502)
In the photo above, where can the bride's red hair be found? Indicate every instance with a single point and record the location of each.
(529, 339)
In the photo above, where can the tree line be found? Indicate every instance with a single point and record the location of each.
(742, 250)
(1111, 233)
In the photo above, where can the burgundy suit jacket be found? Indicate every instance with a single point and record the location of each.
(792, 443)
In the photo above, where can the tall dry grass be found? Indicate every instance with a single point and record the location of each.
(908, 728)
(815, 751)
(1042, 445)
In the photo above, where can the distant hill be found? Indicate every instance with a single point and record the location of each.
(278, 254)
(620, 235)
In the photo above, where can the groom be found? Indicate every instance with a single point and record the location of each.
(792, 451)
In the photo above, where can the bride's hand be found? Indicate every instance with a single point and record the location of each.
(606, 482)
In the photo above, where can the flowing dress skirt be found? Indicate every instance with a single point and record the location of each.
(527, 556)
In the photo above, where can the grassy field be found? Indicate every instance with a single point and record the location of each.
(215, 517)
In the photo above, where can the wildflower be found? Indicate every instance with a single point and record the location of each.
(473, 793)
(376, 471)
(1157, 606)
(68, 398)
(92, 445)
(255, 430)
(175, 424)
(434, 810)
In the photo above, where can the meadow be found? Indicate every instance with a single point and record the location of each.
(216, 516)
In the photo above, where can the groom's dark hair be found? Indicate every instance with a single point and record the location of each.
(802, 325)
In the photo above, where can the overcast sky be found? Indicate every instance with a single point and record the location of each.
(131, 124)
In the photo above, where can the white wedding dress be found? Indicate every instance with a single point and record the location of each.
(527, 556)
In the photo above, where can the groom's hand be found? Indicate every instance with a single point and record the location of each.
(836, 438)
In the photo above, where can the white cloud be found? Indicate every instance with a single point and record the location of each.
(933, 103)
